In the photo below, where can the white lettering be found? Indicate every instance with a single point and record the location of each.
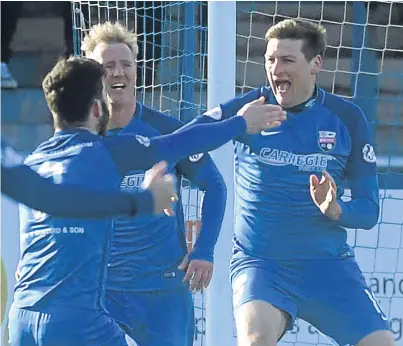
(310, 162)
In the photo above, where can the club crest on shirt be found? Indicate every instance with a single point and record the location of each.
(327, 140)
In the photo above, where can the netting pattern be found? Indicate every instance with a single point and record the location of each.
(172, 48)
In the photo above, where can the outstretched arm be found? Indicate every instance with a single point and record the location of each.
(171, 147)
(251, 106)
(24, 185)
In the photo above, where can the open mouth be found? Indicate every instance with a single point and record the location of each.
(118, 86)
(282, 85)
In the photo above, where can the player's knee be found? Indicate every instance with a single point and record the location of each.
(259, 324)
(257, 339)
(380, 337)
(248, 337)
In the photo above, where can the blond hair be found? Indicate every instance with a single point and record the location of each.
(313, 35)
(109, 32)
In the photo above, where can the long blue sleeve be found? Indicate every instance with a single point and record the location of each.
(171, 147)
(24, 185)
(231, 107)
(208, 179)
(27, 187)
(363, 209)
(201, 171)
(228, 109)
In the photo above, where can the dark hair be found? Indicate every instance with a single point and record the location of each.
(70, 89)
(313, 35)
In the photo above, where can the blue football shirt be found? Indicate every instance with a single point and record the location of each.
(146, 251)
(275, 216)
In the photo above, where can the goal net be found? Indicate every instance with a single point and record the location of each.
(362, 63)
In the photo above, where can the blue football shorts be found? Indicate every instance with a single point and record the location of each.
(65, 327)
(330, 294)
(157, 318)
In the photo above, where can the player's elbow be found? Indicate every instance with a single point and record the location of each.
(369, 223)
(221, 187)
(217, 190)
(371, 217)
(213, 181)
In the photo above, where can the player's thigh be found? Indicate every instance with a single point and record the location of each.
(262, 307)
(380, 337)
(129, 310)
(338, 302)
(20, 331)
(80, 327)
(170, 318)
(259, 323)
(103, 330)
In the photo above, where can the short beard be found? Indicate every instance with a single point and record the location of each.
(103, 121)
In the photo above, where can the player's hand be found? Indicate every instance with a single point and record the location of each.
(162, 187)
(260, 116)
(324, 194)
(198, 272)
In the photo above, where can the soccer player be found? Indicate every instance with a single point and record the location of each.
(149, 268)
(290, 255)
(24, 185)
(59, 297)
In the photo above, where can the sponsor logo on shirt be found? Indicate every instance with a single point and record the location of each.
(132, 181)
(266, 133)
(52, 231)
(73, 150)
(310, 162)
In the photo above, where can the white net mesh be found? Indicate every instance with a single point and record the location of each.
(172, 41)
(362, 63)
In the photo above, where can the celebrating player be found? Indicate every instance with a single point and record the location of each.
(290, 255)
(58, 298)
(24, 185)
(149, 267)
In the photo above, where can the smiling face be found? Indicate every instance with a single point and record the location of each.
(291, 76)
(120, 70)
